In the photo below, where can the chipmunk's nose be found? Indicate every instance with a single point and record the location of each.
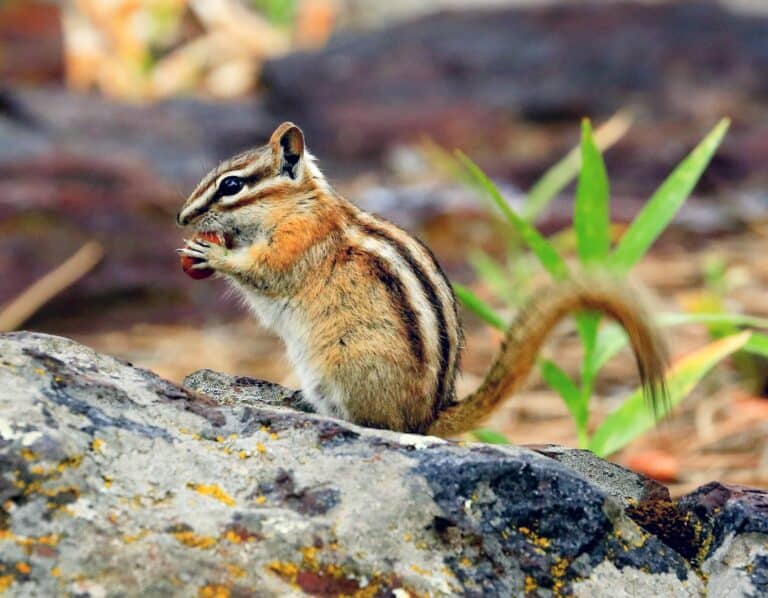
(189, 214)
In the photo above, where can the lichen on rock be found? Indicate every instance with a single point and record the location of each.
(113, 479)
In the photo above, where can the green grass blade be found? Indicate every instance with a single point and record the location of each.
(634, 418)
(611, 339)
(490, 436)
(591, 218)
(587, 324)
(757, 344)
(712, 318)
(479, 307)
(559, 176)
(666, 201)
(559, 381)
(499, 280)
(549, 258)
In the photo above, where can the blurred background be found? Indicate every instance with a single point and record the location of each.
(111, 110)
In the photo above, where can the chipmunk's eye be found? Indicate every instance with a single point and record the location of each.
(230, 185)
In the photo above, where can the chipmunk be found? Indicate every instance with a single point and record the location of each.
(368, 318)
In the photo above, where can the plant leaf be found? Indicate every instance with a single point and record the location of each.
(666, 201)
(557, 177)
(712, 318)
(634, 418)
(611, 339)
(587, 324)
(499, 280)
(547, 255)
(479, 307)
(590, 211)
(559, 381)
(757, 344)
(490, 436)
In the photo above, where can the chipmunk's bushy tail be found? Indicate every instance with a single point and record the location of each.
(530, 329)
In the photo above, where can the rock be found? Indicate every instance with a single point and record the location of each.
(734, 526)
(242, 390)
(624, 484)
(619, 482)
(113, 479)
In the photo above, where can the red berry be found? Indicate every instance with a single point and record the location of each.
(187, 262)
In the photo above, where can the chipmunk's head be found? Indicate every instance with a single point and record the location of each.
(240, 193)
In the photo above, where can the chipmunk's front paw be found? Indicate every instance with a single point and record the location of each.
(206, 255)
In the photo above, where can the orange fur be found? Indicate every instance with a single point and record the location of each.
(364, 309)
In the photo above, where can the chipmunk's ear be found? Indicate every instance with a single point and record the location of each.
(288, 148)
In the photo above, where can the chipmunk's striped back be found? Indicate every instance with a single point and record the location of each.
(368, 317)
(419, 294)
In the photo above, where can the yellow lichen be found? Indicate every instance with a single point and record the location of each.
(231, 536)
(29, 544)
(530, 585)
(532, 537)
(130, 539)
(55, 572)
(23, 567)
(465, 562)
(419, 570)
(260, 500)
(558, 569)
(28, 454)
(188, 432)
(50, 540)
(213, 591)
(6, 581)
(235, 571)
(334, 570)
(58, 491)
(107, 481)
(310, 556)
(284, 569)
(97, 444)
(261, 448)
(193, 540)
(73, 461)
(243, 454)
(213, 491)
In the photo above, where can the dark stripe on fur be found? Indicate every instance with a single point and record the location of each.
(454, 302)
(249, 180)
(398, 298)
(437, 308)
(284, 187)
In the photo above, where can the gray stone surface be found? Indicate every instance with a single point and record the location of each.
(629, 487)
(116, 482)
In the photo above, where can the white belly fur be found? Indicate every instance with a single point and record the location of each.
(278, 316)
